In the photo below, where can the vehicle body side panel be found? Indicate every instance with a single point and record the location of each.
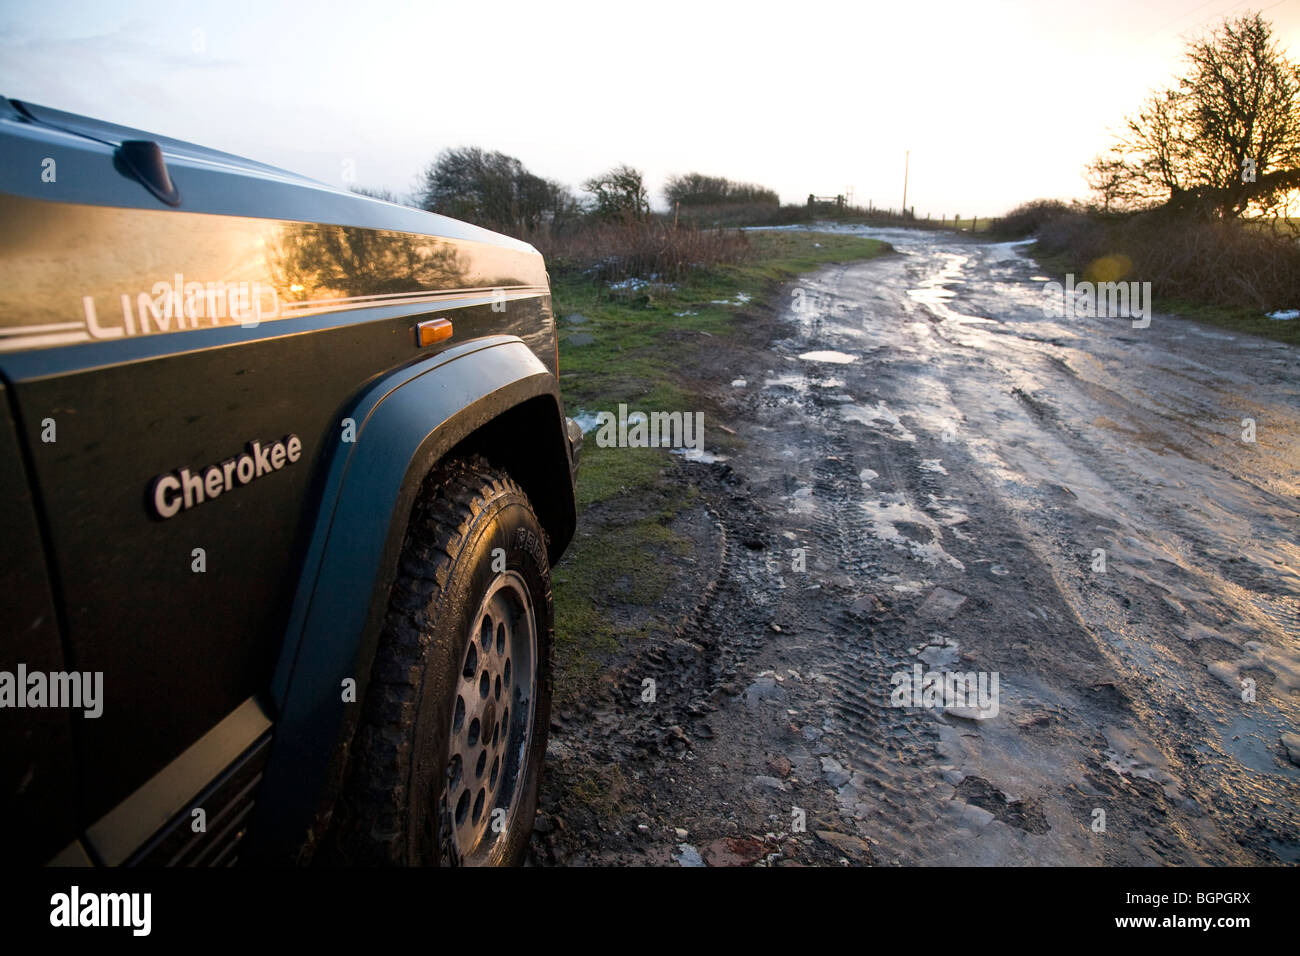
(37, 784)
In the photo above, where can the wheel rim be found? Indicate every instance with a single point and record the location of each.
(491, 726)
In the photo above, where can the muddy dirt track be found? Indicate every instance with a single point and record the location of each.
(935, 473)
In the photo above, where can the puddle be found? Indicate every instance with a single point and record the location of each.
(788, 380)
(801, 502)
(888, 512)
(1002, 251)
(699, 455)
(830, 356)
(874, 417)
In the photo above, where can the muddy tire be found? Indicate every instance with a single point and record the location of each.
(447, 761)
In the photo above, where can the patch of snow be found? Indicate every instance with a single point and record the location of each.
(872, 417)
(828, 355)
(698, 454)
(586, 421)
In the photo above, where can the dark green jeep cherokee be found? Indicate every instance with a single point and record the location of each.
(283, 471)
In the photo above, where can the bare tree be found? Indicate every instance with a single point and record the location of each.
(1243, 100)
(1111, 179)
(1226, 141)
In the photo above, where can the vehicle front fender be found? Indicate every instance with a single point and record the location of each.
(403, 424)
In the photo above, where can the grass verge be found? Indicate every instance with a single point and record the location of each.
(628, 345)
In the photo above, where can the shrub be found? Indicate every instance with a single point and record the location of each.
(1219, 262)
(1028, 218)
(653, 249)
(696, 189)
(618, 194)
(493, 190)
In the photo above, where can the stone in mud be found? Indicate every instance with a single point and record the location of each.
(779, 765)
(975, 714)
(557, 751)
(687, 855)
(659, 856)
(941, 604)
(850, 846)
(733, 851)
(835, 775)
(1036, 718)
(1292, 744)
(969, 815)
(770, 783)
(765, 688)
(939, 657)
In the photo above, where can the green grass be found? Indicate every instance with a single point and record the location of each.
(639, 335)
(780, 255)
(639, 338)
(640, 341)
(981, 225)
(1247, 321)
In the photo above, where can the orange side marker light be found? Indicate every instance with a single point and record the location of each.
(435, 330)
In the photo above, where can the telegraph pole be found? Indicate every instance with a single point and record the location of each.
(906, 160)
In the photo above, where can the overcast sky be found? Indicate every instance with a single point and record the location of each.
(998, 102)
